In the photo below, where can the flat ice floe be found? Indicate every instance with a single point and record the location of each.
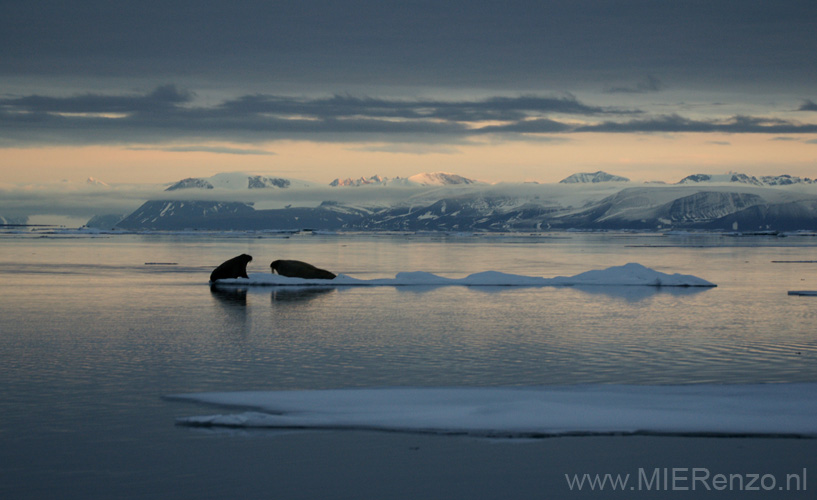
(626, 275)
(702, 410)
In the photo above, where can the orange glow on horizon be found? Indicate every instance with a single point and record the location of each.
(639, 157)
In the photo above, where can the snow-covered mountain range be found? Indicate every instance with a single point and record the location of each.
(235, 180)
(425, 179)
(441, 179)
(239, 180)
(583, 178)
(375, 180)
(448, 202)
(766, 180)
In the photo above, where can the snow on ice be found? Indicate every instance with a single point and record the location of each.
(706, 410)
(626, 275)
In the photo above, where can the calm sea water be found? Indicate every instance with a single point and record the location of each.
(95, 330)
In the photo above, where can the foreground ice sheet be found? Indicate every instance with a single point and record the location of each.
(726, 410)
(628, 274)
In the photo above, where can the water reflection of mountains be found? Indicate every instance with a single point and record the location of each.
(232, 296)
(639, 293)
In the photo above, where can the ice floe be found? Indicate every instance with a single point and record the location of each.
(626, 275)
(705, 410)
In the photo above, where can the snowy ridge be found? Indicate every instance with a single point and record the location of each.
(448, 202)
(190, 183)
(362, 181)
(152, 211)
(765, 180)
(90, 181)
(375, 180)
(627, 275)
(440, 179)
(235, 181)
(584, 178)
(706, 410)
(261, 182)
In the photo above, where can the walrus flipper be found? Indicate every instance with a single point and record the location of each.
(298, 269)
(233, 268)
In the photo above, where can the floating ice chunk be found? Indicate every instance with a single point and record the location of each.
(419, 278)
(631, 274)
(626, 275)
(495, 278)
(727, 410)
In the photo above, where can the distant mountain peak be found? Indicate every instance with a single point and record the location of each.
(190, 183)
(734, 177)
(261, 182)
(96, 182)
(594, 177)
(424, 179)
(440, 179)
(376, 180)
(231, 180)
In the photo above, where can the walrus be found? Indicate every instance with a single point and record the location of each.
(298, 269)
(233, 268)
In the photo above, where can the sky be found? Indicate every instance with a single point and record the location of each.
(156, 91)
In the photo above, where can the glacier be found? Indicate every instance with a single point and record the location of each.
(516, 412)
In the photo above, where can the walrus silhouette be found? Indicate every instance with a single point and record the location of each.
(298, 269)
(233, 268)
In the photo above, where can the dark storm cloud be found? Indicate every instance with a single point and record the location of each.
(536, 126)
(339, 106)
(678, 124)
(162, 98)
(482, 43)
(169, 114)
(808, 105)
